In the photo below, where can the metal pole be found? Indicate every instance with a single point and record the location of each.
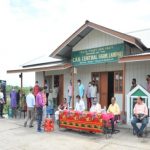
(21, 79)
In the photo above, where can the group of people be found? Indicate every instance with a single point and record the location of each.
(90, 92)
(14, 101)
(37, 101)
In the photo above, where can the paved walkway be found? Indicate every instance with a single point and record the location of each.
(13, 136)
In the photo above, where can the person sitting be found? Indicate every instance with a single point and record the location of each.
(115, 110)
(80, 106)
(140, 115)
(61, 107)
(96, 107)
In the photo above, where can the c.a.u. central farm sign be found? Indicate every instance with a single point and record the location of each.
(98, 55)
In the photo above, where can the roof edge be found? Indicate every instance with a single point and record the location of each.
(128, 38)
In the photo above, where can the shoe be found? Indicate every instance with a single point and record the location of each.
(31, 126)
(140, 135)
(40, 130)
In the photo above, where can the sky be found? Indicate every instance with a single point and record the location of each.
(33, 28)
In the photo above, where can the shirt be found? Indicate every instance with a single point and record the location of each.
(13, 99)
(132, 87)
(88, 92)
(39, 100)
(55, 92)
(1, 95)
(80, 106)
(141, 109)
(114, 109)
(96, 108)
(93, 91)
(30, 100)
(70, 89)
(44, 98)
(81, 90)
(47, 88)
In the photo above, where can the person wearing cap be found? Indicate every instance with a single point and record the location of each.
(96, 107)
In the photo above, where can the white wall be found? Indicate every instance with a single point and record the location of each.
(39, 77)
(137, 70)
(119, 99)
(96, 39)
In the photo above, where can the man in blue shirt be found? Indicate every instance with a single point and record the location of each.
(81, 89)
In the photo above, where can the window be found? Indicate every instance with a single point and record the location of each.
(118, 84)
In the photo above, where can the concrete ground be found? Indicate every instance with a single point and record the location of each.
(13, 136)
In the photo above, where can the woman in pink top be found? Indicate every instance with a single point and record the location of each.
(140, 115)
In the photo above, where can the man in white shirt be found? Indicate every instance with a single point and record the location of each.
(1, 103)
(93, 90)
(30, 100)
(80, 106)
(96, 107)
(55, 96)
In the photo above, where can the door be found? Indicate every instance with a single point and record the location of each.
(61, 89)
(104, 89)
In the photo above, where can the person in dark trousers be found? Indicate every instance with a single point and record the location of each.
(1, 103)
(39, 108)
(46, 87)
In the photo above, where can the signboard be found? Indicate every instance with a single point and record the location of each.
(98, 55)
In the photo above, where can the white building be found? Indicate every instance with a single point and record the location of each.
(97, 53)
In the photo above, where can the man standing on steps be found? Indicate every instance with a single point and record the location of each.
(30, 100)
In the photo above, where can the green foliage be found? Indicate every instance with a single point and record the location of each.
(9, 88)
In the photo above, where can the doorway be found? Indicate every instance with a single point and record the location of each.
(106, 85)
(59, 83)
(110, 86)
